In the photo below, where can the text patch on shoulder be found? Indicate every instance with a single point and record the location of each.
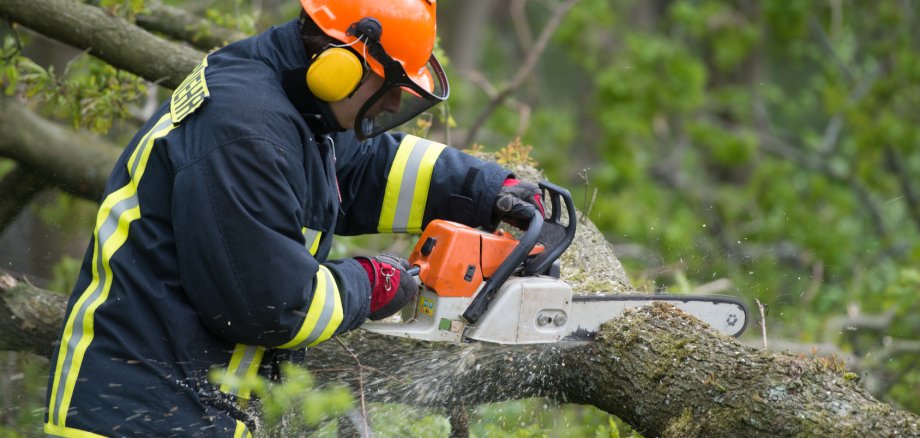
(190, 94)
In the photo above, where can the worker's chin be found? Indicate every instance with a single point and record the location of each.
(347, 123)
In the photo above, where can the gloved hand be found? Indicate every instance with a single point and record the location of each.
(516, 203)
(391, 287)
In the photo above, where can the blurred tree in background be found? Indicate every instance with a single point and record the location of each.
(763, 149)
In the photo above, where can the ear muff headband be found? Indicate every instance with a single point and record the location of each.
(334, 74)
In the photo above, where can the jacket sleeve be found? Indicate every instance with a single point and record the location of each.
(399, 183)
(242, 257)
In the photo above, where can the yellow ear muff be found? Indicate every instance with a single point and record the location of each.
(334, 74)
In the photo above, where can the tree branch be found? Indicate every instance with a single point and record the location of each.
(521, 26)
(911, 197)
(19, 186)
(182, 25)
(529, 63)
(779, 148)
(77, 162)
(111, 39)
(523, 110)
(660, 371)
(30, 317)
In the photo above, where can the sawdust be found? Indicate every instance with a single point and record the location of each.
(589, 265)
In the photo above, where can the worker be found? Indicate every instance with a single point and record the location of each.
(211, 242)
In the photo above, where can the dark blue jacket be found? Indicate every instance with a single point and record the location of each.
(211, 243)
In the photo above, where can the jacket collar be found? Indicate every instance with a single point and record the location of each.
(282, 49)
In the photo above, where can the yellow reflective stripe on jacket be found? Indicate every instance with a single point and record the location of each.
(407, 185)
(241, 431)
(324, 315)
(311, 239)
(244, 365)
(116, 213)
(68, 432)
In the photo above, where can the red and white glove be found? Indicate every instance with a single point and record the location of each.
(391, 287)
(516, 203)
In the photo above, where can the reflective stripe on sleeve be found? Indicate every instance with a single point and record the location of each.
(407, 186)
(241, 431)
(311, 239)
(244, 364)
(324, 315)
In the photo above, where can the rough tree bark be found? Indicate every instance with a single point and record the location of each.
(111, 39)
(77, 162)
(179, 24)
(663, 372)
(18, 186)
(31, 317)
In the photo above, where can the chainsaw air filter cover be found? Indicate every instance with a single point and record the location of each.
(454, 259)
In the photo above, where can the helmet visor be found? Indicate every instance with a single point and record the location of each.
(401, 98)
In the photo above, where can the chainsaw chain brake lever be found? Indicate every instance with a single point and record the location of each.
(554, 236)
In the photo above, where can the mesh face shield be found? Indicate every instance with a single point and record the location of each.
(400, 98)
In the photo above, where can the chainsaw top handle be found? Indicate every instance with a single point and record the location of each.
(554, 236)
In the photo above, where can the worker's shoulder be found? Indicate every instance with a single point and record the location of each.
(248, 90)
(244, 102)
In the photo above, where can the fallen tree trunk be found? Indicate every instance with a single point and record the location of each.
(661, 371)
(30, 318)
(76, 162)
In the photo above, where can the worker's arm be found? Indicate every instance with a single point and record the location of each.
(243, 264)
(397, 183)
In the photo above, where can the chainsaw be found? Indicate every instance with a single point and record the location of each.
(493, 287)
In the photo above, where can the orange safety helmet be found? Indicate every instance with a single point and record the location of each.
(409, 29)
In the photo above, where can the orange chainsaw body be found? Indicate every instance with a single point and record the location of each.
(455, 259)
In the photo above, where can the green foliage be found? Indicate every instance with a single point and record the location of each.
(298, 395)
(515, 154)
(22, 407)
(91, 94)
(234, 19)
(399, 421)
(127, 9)
(726, 32)
(64, 275)
(539, 418)
(724, 148)
(68, 213)
(749, 142)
